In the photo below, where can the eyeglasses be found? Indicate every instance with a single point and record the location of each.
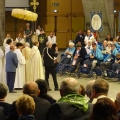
(117, 58)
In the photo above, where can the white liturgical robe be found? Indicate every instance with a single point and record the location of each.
(1, 65)
(20, 71)
(35, 64)
(26, 52)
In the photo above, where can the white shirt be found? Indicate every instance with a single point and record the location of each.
(52, 40)
(5, 40)
(21, 40)
(37, 32)
(87, 38)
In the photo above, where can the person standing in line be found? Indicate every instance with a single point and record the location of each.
(1, 65)
(52, 38)
(35, 70)
(20, 39)
(26, 52)
(11, 65)
(20, 71)
(48, 57)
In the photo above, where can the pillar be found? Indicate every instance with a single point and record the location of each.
(2, 21)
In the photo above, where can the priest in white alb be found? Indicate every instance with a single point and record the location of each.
(26, 52)
(1, 65)
(36, 67)
(20, 71)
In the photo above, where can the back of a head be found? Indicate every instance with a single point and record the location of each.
(69, 86)
(101, 87)
(31, 88)
(27, 44)
(3, 90)
(9, 41)
(104, 109)
(42, 85)
(35, 43)
(19, 44)
(25, 105)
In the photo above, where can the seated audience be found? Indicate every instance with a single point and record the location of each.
(3, 95)
(43, 87)
(110, 59)
(109, 38)
(66, 57)
(117, 44)
(116, 65)
(104, 109)
(71, 105)
(79, 55)
(25, 107)
(88, 48)
(89, 90)
(118, 35)
(88, 37)
(41, 105)
(100, 90)
(95, 57)
(117, 103)
(80, 38)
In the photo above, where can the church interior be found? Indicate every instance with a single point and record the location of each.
(65, 18)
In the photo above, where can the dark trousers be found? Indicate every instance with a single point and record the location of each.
(48, 70)
(10, 80)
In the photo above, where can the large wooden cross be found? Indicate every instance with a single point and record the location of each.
(34, 4)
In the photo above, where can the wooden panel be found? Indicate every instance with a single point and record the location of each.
(77, 24)
(62, 31)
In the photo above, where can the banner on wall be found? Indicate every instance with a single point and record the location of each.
(96, 21)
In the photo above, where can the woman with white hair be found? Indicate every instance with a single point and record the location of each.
(68, 54)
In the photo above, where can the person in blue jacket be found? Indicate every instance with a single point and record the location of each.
(95, 57)
(117, 44)
(110, 59)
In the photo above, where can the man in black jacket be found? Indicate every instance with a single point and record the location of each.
(80, 38)
(71, 105)
(41, 105)
(79, 55)
(48, 57)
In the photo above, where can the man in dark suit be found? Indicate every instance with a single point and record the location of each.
(80, 38)
(3, 94)
(72, 105)
(2, 116)
(79, 55)
(41, 105)
(11, 65)
(48, 57)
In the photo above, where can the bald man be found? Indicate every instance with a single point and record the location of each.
(71, 105)
(41, 105)
(11, 65)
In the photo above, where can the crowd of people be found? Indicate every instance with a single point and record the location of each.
(76, 102)
(24, 59)
(87, 51)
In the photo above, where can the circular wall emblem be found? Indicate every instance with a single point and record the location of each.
(96, 22)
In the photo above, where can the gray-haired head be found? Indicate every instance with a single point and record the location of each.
(49, 44)
(68, 86)
(3, 90)
(89, 88)
(27, 44)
